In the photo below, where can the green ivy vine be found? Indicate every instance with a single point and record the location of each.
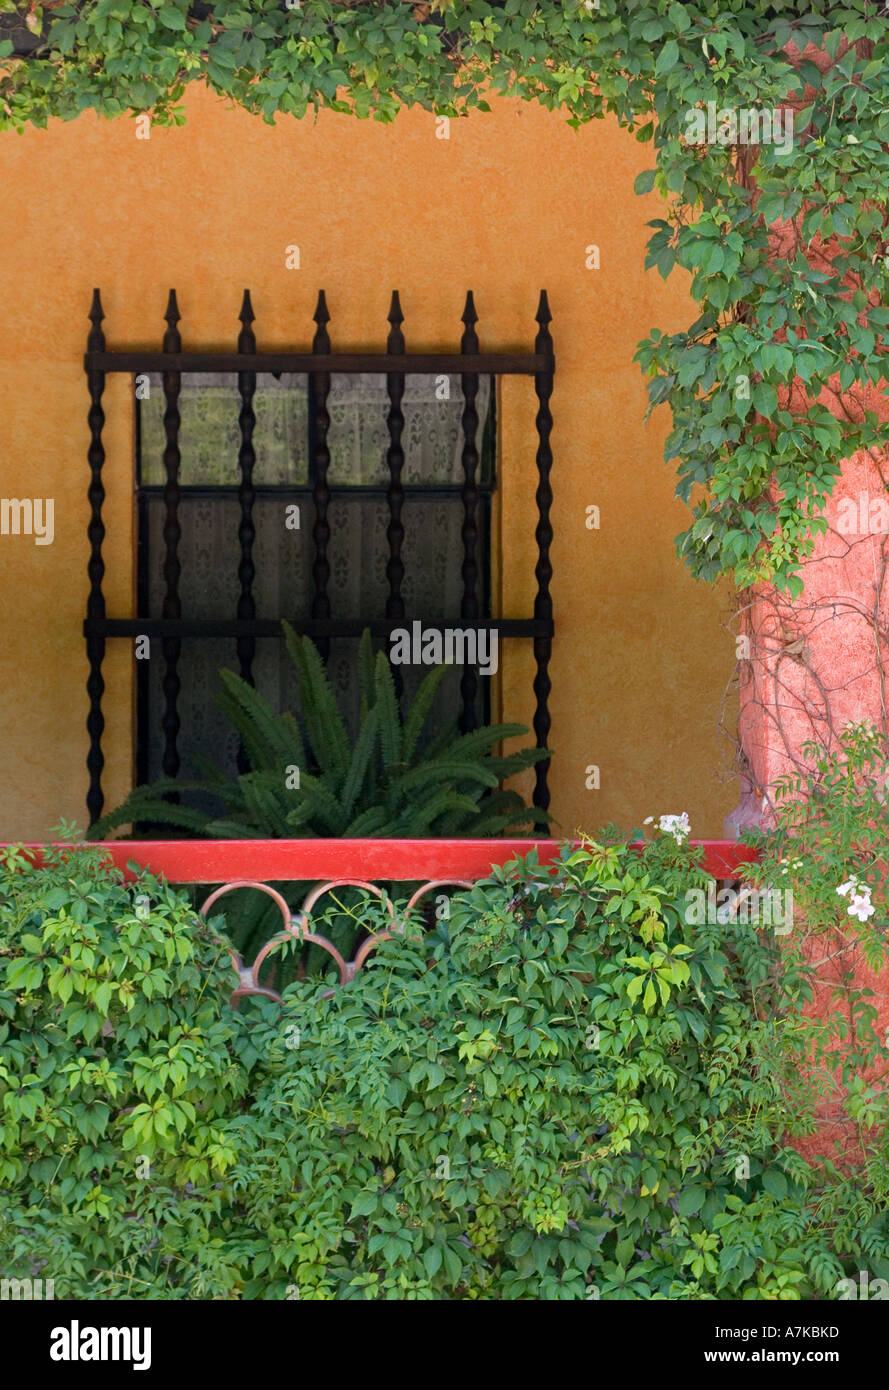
(787, 247)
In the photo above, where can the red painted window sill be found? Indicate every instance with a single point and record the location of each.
(221, 861)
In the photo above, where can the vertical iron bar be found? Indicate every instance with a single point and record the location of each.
(143, 552)
(319, 383)
(543, 605)
(95, 608)
(172, 608)
(469, 421)
(488, 471)
(246, 646)
(142, 610)
(395, 491)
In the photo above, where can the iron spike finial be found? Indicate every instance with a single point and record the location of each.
(96, 339)
(322, 315)
(172, 340)
(246, 315)
(246, 337)
(97, 313)
(395, 341)
(396, 317)
(469, 341)
(321, 341)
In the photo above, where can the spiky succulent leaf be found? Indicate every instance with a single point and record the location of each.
(326, 807)
(228, 828)
(388, 717)
(428, 774)
(478, 741)
(266, 797)
(442, 744)
(373, 823)
(361, 766)
(318, 707)
(258, 726)
(519, 761)
(443, 803)
(149, 804)
(415, 720)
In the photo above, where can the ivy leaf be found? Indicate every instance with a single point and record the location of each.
(679, 17)
(171, 17)
(667, 58)
(765, 399)
(364, 1204)
(452, 1263)
(690, 1200)
(775, 1184)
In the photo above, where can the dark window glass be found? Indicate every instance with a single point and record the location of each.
(209, 550)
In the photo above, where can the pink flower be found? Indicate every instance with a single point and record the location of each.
(861, 906)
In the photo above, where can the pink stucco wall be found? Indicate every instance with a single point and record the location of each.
(813, 664)
(818, 662)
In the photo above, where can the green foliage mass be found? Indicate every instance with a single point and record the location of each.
(563, 1092)
(393, 781)
(755, 462)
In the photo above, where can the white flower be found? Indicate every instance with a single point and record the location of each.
(860, 904)
(677, 826)
(648, 820)
(862, 907)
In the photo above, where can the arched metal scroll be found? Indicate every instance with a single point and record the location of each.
(298, 928)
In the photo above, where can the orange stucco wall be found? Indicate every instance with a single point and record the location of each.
(508, 204)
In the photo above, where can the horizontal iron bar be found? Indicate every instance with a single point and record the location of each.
(312, 627)
(452, 363)
(422, 491)
(223, 861)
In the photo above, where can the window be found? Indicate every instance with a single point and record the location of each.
(374, 453)
(282, 552)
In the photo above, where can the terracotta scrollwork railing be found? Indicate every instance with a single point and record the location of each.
(298, 928)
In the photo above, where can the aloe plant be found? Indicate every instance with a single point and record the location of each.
(389, 782)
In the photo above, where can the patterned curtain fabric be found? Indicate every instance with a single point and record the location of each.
(209, 440)
(209, 434)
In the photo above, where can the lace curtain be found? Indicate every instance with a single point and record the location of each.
(209, 440)
(209, 435)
